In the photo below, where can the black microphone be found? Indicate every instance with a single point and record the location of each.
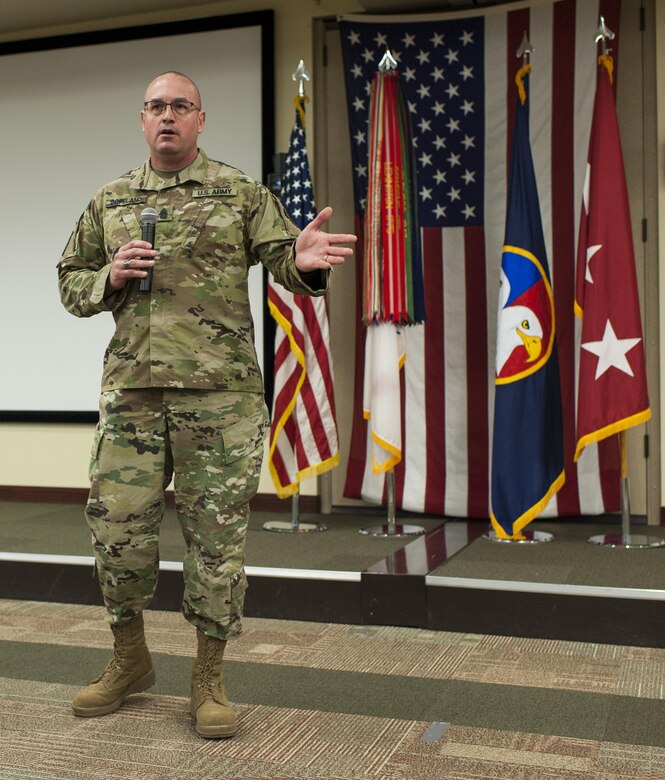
(148, 221)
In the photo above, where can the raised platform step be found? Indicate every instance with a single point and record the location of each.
(433, 581)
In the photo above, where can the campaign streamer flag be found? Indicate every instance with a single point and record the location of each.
(392, 283)
(457, 71)
(527, 457)
(613, 392)
(303, 433)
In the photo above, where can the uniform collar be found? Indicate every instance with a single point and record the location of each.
(144, 178)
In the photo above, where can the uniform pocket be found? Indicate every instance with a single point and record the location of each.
(244, 437)
(242, 451)
(227, 597)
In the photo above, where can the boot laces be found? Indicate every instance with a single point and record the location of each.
(114, 666)
(208, 663)
(208, 685)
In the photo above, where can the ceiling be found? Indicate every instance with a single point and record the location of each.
(40, 15)
(17, 17)
(378, 6)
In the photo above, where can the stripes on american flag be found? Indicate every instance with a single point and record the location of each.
(303, 433)
(458, 74)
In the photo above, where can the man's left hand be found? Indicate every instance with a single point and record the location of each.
(320, 251)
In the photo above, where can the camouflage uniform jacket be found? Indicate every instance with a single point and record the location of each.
(195, 328)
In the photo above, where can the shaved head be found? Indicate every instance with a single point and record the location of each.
(179, 75)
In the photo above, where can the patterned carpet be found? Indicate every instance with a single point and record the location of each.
(332, 702)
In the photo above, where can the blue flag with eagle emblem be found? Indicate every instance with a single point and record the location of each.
(527, 454)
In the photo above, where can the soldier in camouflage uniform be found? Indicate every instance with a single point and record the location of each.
(181, 392)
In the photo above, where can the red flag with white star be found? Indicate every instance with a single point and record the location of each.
(612, 392)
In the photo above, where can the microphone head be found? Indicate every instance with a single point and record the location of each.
(149, 216)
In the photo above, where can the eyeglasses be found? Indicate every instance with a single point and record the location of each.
(179, 106)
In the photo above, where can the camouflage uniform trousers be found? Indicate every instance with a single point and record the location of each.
(213, 443)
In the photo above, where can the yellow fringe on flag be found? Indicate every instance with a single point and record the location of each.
(609, 430)
(298, 101)
(519, 79)
(530, 514)
(311, 471)
(607, 61)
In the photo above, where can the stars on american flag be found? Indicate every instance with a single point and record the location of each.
(297, 195)
(441, 67)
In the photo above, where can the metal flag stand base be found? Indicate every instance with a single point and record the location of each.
(626, 539)
(295, 526)
(530, 537)
(391, 528)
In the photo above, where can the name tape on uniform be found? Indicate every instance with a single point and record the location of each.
(113, 202)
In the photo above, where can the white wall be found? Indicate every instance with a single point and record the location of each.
(79, 128)
(57, 455)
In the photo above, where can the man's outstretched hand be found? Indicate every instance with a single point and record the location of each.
(317, 250)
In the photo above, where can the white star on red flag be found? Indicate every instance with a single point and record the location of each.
(611, 351)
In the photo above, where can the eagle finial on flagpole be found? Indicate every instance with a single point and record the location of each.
(301, 75)
(388, 62)
(604, 34)
(525, 50)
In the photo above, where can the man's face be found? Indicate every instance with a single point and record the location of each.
(172, 138)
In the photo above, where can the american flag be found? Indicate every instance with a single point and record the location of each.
(439, 73)
(458, 71)
(303, 434)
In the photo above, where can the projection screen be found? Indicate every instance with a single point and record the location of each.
(69, 122)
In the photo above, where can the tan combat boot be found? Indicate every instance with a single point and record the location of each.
(129, 671)
(214, 717)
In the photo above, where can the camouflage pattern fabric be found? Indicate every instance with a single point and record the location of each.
(195, 328)
(181, 387)
(213, 441)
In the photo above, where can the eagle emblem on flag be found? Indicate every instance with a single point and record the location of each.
(525, 324)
